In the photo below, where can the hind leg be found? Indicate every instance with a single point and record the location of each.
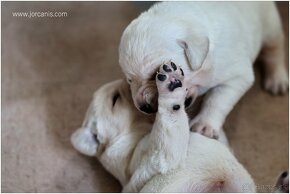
(273, 56)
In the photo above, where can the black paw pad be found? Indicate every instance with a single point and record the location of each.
(173, 66)
(181, 72)
(161, 77)
(166, 68)
(176, 107)
(175, 84)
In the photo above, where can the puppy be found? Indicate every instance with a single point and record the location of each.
(166, 159)
(215, 43)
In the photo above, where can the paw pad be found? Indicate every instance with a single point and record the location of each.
(171, 73)
(176, 107)
(166, 68)
(161, 77)
(174, 84)
(169, 81)
(173, 66)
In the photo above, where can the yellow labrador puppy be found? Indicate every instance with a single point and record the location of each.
(215, 43)
(160, 154)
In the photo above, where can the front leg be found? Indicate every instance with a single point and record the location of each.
(218, 103)
(170, 131)
(168, 140)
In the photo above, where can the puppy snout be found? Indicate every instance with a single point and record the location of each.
(146, 99)
(147, 108)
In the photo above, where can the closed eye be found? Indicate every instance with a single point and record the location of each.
(115, 98)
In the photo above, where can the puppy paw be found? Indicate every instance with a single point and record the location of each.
(277, 84)
(169, 81)
(204, 128)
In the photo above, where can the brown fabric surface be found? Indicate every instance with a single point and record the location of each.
(50, 69)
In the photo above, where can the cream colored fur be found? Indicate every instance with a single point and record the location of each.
(119, 136)
(215, 43)
(165, 148)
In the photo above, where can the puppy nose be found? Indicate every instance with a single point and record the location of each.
(146, 108)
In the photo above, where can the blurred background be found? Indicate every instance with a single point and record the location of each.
(52, 66)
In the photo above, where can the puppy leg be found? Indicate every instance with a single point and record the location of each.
(217, 104)
(171, 122)
(273, 55)
(168, 140)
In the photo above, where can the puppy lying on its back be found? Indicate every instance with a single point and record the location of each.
(167, 159)
(215, 43)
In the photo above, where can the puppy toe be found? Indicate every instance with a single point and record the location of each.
(173, 66)
(161, 77)
(276, 84)
(166, 68)
(205, 129)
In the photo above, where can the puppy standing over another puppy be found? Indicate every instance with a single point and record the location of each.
(215, 43)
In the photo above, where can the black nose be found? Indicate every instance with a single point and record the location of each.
(146, 108)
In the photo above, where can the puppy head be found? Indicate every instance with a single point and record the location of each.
(146, 45)
(110, 115)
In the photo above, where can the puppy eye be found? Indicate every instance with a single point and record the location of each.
(115, 98)
(129, 80)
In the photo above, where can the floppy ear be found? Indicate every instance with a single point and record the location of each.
(196, 49)
(83, 140)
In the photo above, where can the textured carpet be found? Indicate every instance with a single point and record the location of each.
(50, 69)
